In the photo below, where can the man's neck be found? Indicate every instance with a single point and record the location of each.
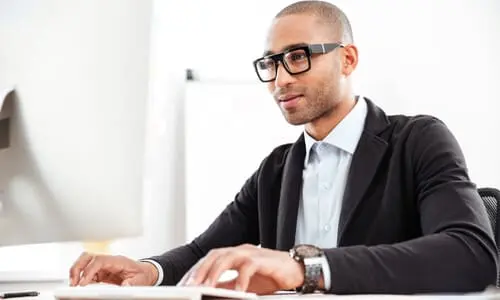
(321, 127)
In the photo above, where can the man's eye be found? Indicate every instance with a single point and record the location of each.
(297, 56)
(266, 64)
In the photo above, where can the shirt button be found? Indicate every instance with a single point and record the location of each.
(327, 228)
(325, 186)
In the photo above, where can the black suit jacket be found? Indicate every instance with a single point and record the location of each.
(411, 220)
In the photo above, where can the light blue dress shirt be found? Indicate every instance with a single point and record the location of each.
(326, 166)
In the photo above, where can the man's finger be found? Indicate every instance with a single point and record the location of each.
(199, 272)
(223, 263)
(77, 268)
(245, 273)
(90, 272)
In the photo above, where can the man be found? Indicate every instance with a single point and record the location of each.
(362, 202)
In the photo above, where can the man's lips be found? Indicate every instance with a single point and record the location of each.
(289, 101)
(286, 98)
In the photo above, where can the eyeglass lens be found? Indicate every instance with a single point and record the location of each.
(295, 61)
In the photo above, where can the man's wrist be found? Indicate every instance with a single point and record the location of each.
(155, 271)
(300, 275)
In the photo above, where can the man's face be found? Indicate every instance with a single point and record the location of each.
(305, 97)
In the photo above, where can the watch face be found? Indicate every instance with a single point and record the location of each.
(308, 251)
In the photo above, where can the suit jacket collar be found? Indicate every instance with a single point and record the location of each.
(291, 187)
(365, 161)
(367, 156)
(376, 119)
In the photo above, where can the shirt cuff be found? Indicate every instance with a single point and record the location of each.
(326, 272)
(158, 268)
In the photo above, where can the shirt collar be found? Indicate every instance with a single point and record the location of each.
(347, 133)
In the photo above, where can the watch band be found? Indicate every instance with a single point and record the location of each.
(313, 270)
(311, 259)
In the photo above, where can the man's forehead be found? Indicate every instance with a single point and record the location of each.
(293, 30)
(270, 51)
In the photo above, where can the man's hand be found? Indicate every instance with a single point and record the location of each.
(117, 270)
(260, 271)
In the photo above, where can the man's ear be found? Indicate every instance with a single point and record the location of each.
(349, 59)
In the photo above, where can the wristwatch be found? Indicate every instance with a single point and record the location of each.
(311, 258)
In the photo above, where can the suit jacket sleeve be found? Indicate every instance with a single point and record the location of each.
(456, 253)
(237, 224)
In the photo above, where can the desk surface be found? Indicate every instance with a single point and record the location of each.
(47, 295)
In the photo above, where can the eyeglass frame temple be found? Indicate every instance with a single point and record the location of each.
(324, 48)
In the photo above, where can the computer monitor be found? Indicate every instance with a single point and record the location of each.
(73, 170)
(73, 167)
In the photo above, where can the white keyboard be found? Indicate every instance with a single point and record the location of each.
(111, 292)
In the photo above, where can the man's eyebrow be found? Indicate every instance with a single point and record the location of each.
(288, 47)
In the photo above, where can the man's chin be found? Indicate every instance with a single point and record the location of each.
(295, 120)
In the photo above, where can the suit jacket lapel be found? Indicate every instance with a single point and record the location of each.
(366, 159)
(291, 187)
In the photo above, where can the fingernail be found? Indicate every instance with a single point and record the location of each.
(238, 287)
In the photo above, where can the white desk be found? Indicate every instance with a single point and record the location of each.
(46, 294)
(32, 280)
(480, 296)
(383, 297)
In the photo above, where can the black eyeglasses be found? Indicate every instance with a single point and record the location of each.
(296, 60)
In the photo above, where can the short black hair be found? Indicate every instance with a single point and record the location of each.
(327, 13)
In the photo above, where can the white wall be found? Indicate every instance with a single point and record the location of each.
(430, 57)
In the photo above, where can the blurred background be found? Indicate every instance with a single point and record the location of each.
(206, 136)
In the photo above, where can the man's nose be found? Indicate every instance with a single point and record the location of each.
(283, 78)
